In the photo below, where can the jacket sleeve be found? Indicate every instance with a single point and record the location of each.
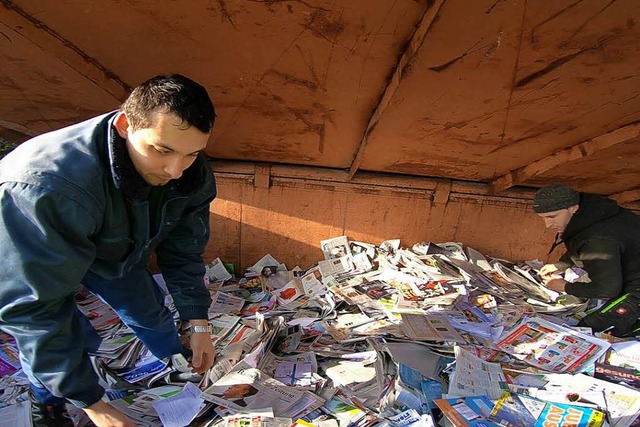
(564, 262)
(180, 256)
(601, 259)
(45, 252)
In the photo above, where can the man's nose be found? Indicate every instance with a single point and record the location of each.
(174, 168)
(548, 222)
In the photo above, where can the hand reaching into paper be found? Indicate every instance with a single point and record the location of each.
(552, 278)
(549, 272)
(557, 285)
(104, 415)
(204, 354)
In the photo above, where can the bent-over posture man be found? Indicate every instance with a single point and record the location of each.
(88, 204)
(603, 239)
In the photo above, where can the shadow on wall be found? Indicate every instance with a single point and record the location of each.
(289, 219)
(244, 244)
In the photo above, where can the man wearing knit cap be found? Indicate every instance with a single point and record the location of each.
(603, 239)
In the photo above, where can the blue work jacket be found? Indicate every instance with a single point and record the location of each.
(69, 208)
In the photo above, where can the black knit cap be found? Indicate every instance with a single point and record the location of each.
(555, 197)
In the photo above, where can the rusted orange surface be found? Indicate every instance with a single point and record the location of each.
(488, 87)
(470, 91)
(289, 219)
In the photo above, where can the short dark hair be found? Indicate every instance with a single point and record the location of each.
(252, 390)
(173, 94)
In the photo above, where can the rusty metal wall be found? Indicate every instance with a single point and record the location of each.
(291, 214)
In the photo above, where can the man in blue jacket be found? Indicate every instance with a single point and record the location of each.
(603, 239)
(89, 204)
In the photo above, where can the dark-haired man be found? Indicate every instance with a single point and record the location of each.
(603, 239)
(88, 204)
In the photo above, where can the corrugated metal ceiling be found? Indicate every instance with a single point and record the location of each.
(504, 92)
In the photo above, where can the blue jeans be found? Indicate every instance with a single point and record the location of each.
(139, 302)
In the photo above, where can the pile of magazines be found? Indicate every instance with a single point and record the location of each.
(432, 335)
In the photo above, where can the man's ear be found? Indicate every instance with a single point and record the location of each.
(573, 209)
(122, 124)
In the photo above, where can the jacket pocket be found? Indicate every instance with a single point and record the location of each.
(116, 249)
(618, 316)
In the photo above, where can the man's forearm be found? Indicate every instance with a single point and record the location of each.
(104, 415)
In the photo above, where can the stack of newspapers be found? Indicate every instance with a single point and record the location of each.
(435, 334)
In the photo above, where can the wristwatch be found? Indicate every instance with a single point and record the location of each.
(201, 329)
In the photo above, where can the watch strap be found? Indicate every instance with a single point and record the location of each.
(201, 329)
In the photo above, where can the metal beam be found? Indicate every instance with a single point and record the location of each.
(13, 135)
(627, 196)
(403, 66)
(575, 152)
(51, 42)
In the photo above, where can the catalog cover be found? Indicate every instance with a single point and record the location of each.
(472, 411)
(523, 411)
(561, 414)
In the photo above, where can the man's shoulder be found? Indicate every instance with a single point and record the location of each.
(622, 229)
(71, 160)
(84, 129)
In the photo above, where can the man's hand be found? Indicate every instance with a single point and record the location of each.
(204, 353)
(549, 272)
(104, 415)
(556, 285)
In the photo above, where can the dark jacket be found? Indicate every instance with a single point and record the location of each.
(603, 239)
(72, 204)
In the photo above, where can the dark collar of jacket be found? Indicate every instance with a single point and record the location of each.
(593, 209)
(124, 174)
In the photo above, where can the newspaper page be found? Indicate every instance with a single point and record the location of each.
(432, 327)
(290, 292)
(532, 289)
(312, 284)
(216, 271)
(115, 346)
(347, 292)
(222, 325)
(620, 402)
(351, 374)
(410, 418)
(12, 391)
(298, 370)
(625, 354)
(225, 303)
(552, 347)
(475, 377)
(18, 415)
(266, 261)
(139, 406)
(102, 317)
(341, 328)
(336, 266)
(336, 247)
(249, 388)
(180, 409)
